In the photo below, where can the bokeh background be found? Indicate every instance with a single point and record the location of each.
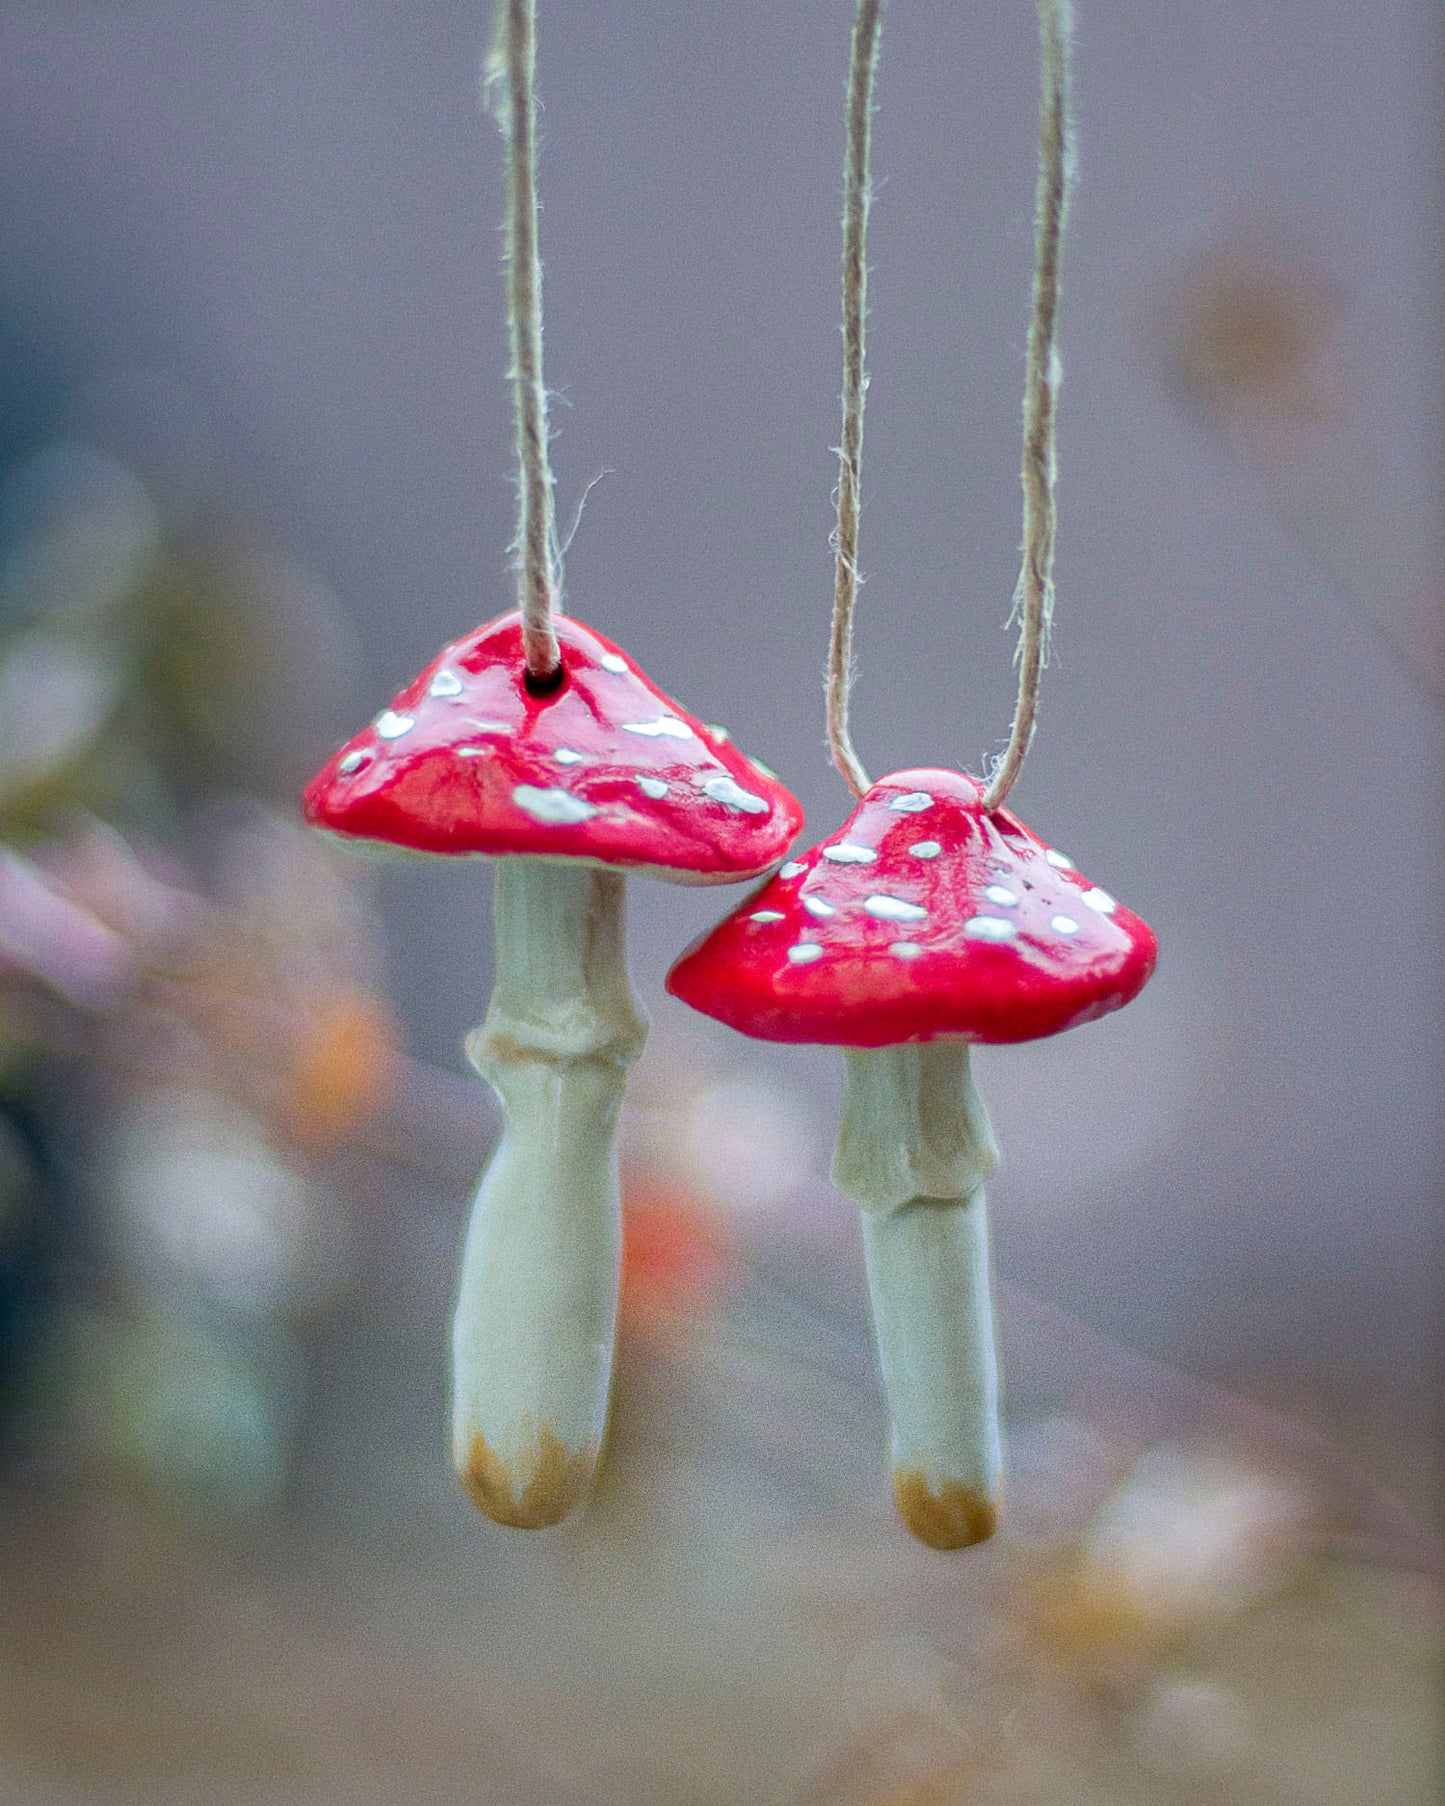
(255, 469)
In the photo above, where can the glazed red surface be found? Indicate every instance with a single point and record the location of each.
(861, 991)
(450, 781)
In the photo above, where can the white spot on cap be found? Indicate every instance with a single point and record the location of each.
(805, 953)
(656, 788)
(354, 761)
(485, 727)
(815, 906)
(905, 949)
(1100, 900)
(912, 802)
(614, 662)
(558, 808)
(445, 683)
(718, 733)
(766, 915)
(893, 909)
(846, 853)
(665, 727)
(724, 790)
(564, 755)
(791, 869)
(1064, 925)
(1000, 894)
(392, 726)
(1060, 861)
(989, 928)
(925, 849)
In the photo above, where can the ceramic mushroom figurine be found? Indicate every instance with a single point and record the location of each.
(570, 785)
(924, 924)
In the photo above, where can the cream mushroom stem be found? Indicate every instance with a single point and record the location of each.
(536, 1304)
(914, 1148)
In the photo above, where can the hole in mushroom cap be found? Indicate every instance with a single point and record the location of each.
(545, 683)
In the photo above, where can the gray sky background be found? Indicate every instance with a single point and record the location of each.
(293, 207)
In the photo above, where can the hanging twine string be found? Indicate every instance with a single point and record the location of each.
(1033, 608)
(510, 82)
(1034, 595)
(857, 196)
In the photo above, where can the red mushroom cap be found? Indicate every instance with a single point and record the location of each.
(603, 767)
(924, 918)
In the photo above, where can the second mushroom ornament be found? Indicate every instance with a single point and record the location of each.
(933, 919)
(925, 923)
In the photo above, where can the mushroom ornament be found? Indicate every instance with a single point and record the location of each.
(570, 784)
(926, 923)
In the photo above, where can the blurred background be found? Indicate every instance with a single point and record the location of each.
(255, 469)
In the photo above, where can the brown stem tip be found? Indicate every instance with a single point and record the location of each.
(955, 1517)
(558, 1482)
